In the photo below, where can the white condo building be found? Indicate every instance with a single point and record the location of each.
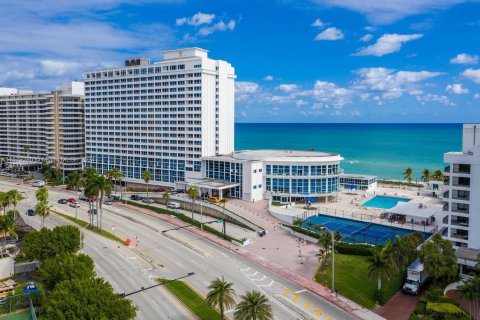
(162, 116)
(50, 124)
(462, 191)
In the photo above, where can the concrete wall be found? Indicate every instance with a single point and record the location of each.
(6, 267)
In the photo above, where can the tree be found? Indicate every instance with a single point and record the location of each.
(426, 176)
(382, 264)
(146, 176)
(408, 174)
(297, 222)
(46, 243)
(404, 248)
(437, 175)
(41, 194)
(166, 197)
(66, 266)
(470, 290)
(438, 258)
(223, 202)
(5, 201)
(91, 189)
(253, 306)
(310, 224)
(15, 196)
(193, 195)
(74, 181)
(87, 299)
(43, 209)
(99, 186)
(221, 294)
(116, 175)
(8, 227)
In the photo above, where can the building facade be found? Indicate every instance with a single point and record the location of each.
(462, 191)
(280, 175)
(39, 127)
(162, 117)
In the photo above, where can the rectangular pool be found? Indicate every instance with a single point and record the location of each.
(354, 231)
(384, 202)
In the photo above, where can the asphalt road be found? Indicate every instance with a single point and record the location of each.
(176, 255)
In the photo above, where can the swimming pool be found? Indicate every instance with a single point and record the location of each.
(359, 231)
(384, 202)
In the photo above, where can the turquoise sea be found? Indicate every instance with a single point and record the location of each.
(384, 150)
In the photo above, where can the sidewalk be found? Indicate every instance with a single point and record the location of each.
(309, 284)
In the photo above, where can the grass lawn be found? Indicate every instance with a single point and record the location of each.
(351, 280)
(192, 300)
(17, 316)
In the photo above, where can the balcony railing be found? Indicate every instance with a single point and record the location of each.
(459, 210)
(460, 223)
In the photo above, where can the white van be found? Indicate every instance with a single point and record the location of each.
(173, 205)
(38, 183)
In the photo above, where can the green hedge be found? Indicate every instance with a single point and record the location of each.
(353, 249)
(303, 231)
(184, 218)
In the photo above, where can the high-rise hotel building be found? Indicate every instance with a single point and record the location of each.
(37, 127)
(161, 116)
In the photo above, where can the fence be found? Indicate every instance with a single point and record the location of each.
(25, 267)
(18, 302)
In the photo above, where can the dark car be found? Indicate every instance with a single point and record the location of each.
(83, 198)
(8, 240)
(136, 197)
(62, 201)
(30, 212)
(94, 211)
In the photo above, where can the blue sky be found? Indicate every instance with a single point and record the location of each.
(296, 61)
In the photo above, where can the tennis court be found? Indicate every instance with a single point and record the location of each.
(358, 231)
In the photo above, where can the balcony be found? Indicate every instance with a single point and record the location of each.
(460, 222)
(461, 168)
(460, 210)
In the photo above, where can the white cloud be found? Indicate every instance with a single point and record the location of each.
(246, 87)
(58, 68)
(386, 12)
(476, 96)
(318, 23)
(301, 102)
(330, 34)
(219, 26)
(386, 44)
(355, 113)
(328, 92)
(428, 98)
(268, 78)
(456, 88)
(287, 87)
(472, 74)
(464, 58)
(366, 37)
(196, 20)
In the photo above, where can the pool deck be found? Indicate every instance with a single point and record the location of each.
(349, 205)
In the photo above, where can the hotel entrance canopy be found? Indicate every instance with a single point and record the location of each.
(210, 184)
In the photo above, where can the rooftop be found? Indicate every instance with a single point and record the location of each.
(287, 155)
(357, 176)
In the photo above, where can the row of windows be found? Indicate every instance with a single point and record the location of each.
(131, 71)
(302, 186)
(295, 170)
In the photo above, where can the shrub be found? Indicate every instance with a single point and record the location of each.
(420, 309)
(353, 249)
(380, 296)
(303, 231)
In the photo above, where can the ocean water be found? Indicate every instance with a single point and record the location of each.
(384, 150)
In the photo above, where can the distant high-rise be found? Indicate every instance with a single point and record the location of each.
(37, 127)
(160, 116)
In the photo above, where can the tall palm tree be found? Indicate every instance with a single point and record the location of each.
(470, 290)
(426, 175)
(41, 194)
(193, 195)
(118, 176)
(115, 175)
(253, 306)
(43, 209)
(74, 181)
(223, 202)
(166, 197)
(146, 176)
(15, 197)
(100, 186)
(381, 264)
(90, 191)
(8, 227)
(5, 201)
(408, 174)
(437, 175)
(221, 294)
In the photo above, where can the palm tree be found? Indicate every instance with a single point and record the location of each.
(426, 176)
(470, 290)
(382, 264)
(437, 175)
(298, 222)
(408, 174)
(74, 181)
(26, 149)
(166, 197)
(116, 175)
(146, 176)
(8, 227)
(310, 224)
(253, 306)
(221, 294)
(41, 194)
(100, 186)
(15, 196)
(5, 201)
(193, 194)
(223, 202)
(43, 209)
(89, 176)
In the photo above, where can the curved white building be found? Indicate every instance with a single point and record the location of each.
(280, 175)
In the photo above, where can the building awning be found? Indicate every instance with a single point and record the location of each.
(212, 184)
(414, 210)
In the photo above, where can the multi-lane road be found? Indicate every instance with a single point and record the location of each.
(154, 255)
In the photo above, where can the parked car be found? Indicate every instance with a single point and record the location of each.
(38, 183)
(159, 190)
(173, 205)
(71, 200)
(83, 198)
(74, 204)
(30, 212)
(214, 200)
(8, 240)
(62, 201)
(136, 197)
(108, 202)
(92, 211)
(148, 200)
(114, 198)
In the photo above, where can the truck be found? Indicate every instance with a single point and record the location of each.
(416, 277)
